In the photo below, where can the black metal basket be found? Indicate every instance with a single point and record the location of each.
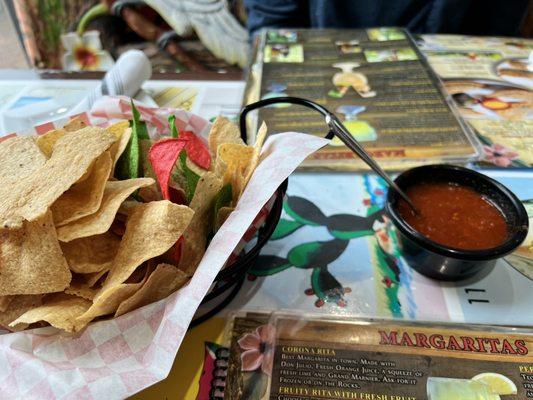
(230, 279)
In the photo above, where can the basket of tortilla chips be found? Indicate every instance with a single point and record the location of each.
(103, 216)
(101, 220)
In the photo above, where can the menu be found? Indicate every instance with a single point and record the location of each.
(490, 79)
(335, 358)
(375, 80)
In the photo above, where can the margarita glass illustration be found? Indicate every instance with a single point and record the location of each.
(360, 130)
(485, 386)
(349, 78)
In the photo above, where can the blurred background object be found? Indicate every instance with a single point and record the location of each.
(527, 26)
(209, 35)
(466, 17)
(177, 35)
(9, 40)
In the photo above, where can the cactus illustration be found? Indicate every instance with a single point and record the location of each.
(316, 256)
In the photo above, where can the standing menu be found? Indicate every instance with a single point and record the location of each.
(291, 357)
(490, 80)
(375, 80)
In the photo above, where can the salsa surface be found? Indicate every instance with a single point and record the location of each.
(454, 216)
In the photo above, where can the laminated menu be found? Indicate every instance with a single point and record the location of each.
(289, 357)
(376, 80)
(490, 80)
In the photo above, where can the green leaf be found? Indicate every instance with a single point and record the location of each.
(191, 177)
(222, 199)
(173, 130)
(138, 127)
(128, 165)
(254, 385)
(94, 12)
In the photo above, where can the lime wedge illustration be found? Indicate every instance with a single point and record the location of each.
(439, 388)
(498, 383)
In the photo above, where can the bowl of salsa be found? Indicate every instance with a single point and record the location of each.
(464, 222)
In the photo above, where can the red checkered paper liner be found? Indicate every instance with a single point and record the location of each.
(115, 358)
(107, 110)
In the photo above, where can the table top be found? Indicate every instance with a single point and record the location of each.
(363, 275)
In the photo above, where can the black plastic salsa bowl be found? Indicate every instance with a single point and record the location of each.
(444, 263)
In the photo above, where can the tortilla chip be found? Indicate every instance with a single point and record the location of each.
(59, 311)
(5, 301)
(47, 141)
(122, 131)
(237, 158)
(91, 254)
(195, 168)
(177, 194)
(108, 299)
(165, 280)
(149, 193)
(118, 128)
(146, 166)
(254, 161)
(29, 198)
(193, 247)
(222, 216)
(223, 131)
(195, 237)
(31, 261)
(127, 207)
(19, 157)
(206, 190)
(86, 175)
(141, 273)
(75, 124)
(151, 230)
(115, 193)
(120, 146)
(92, 279)
(18, 306)
(83, 198)
(82, 290)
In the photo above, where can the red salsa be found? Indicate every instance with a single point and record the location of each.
(454, 216)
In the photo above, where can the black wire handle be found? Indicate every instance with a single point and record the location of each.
(336, 127)
(283, 99)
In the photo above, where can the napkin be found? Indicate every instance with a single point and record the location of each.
(126, 77)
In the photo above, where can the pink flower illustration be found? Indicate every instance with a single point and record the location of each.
(499, 155)
(258, 349)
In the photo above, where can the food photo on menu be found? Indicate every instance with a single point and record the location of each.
(264, 200)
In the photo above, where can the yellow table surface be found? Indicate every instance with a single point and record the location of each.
(182, 382)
